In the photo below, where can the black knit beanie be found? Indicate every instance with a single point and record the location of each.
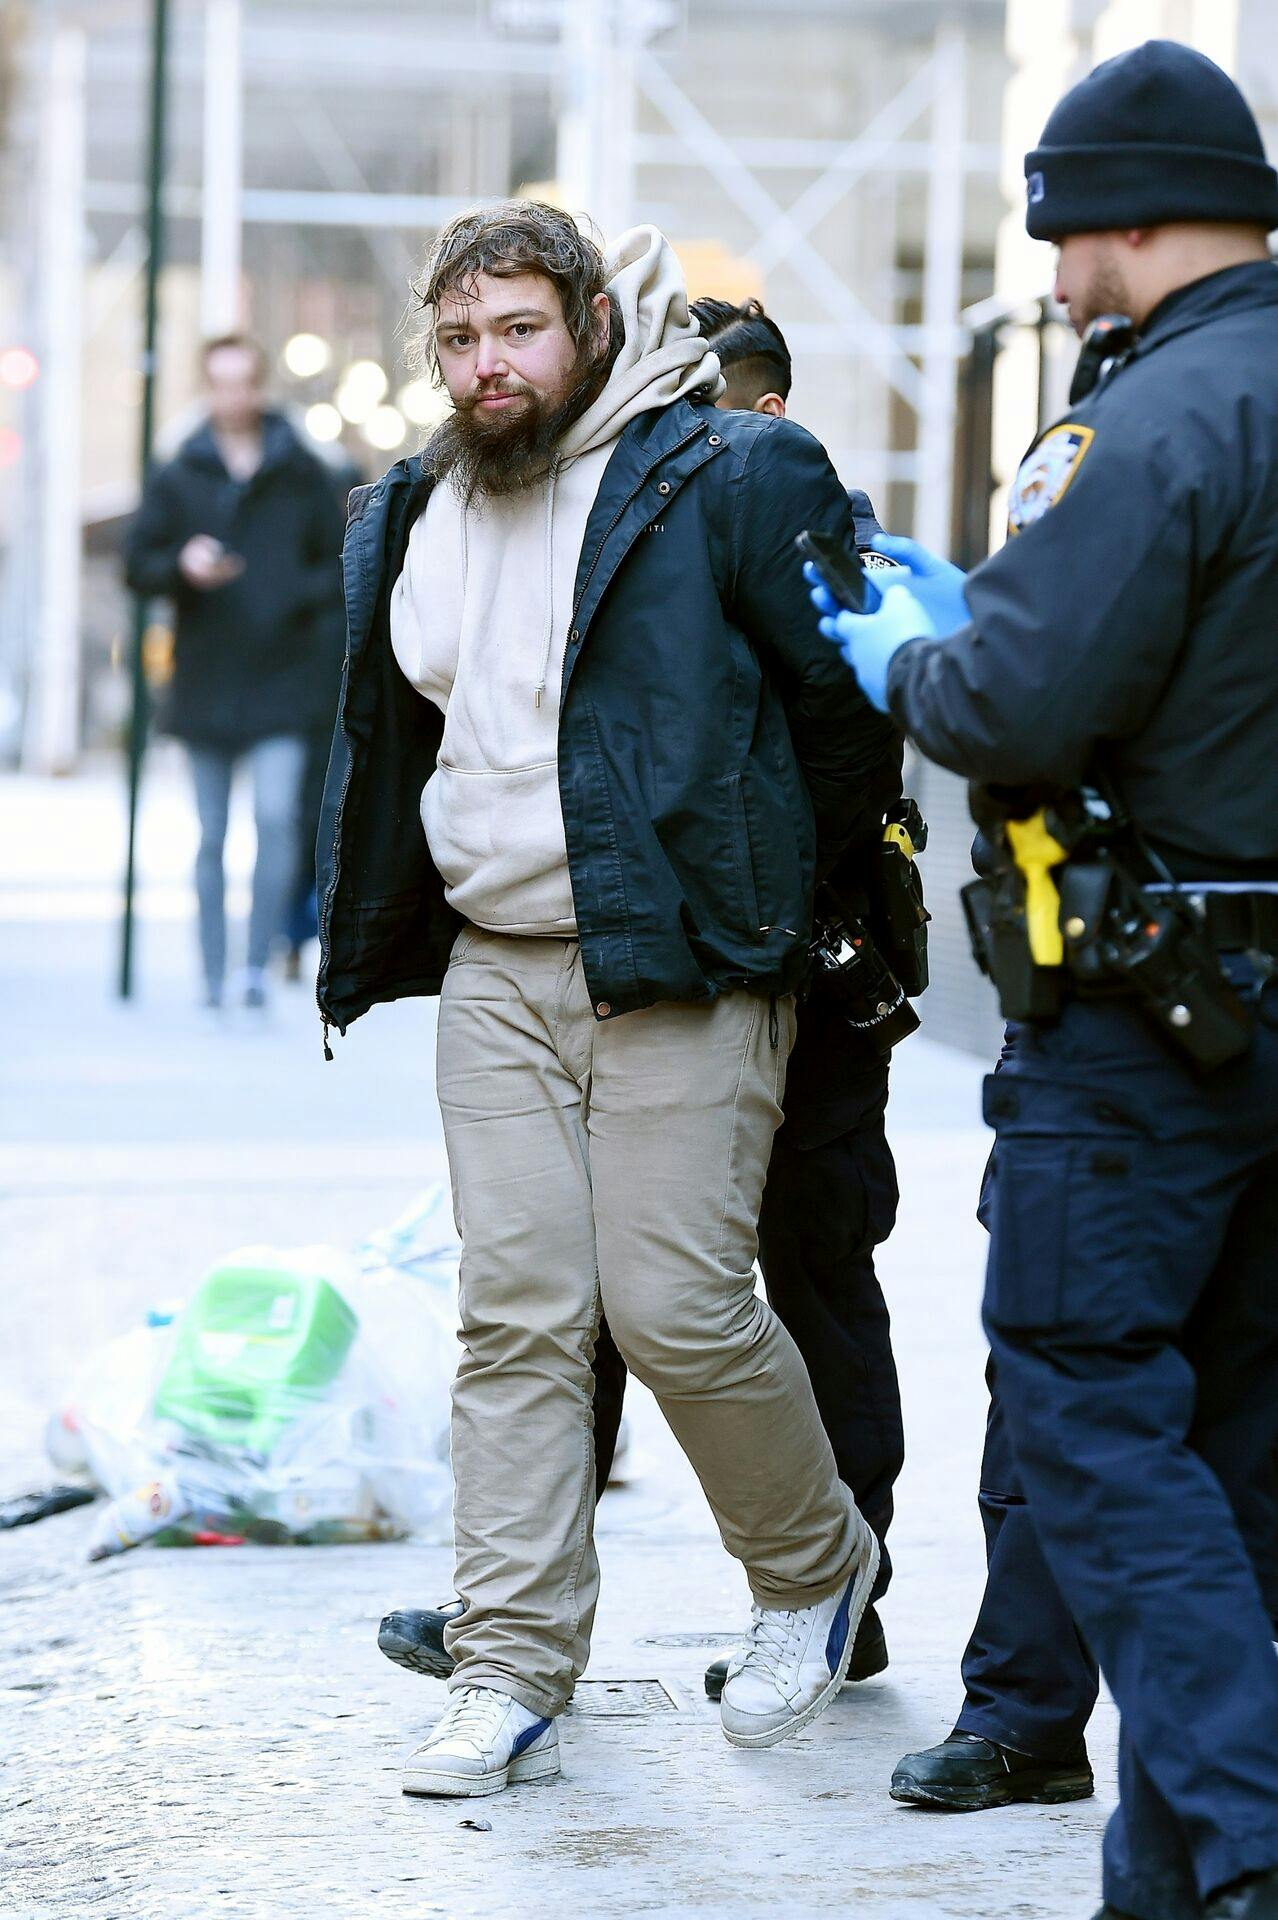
(1155, 135)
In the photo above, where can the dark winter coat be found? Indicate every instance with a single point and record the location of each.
(1128, 627)
(249, 658)
(713, 749)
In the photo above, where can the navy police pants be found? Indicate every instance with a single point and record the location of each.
(1132, 1310)
(1029, 1681)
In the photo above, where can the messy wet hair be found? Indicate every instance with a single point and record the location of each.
(514, 236)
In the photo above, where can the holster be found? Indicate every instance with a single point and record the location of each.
(1059, 913)
(994, 908)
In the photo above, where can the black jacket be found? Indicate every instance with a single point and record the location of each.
(250, 658)
(1130, 626)
(712, 747)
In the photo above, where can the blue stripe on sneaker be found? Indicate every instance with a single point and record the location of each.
(538, 1727)
(838, 1638)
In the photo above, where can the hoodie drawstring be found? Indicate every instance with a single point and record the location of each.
(548, 637)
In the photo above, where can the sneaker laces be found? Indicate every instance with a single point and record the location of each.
(771, 1636)
(474, 1713)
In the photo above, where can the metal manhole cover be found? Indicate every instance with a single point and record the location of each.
(725, 1638)
(606, 1699)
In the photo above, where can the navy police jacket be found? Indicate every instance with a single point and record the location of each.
(1130, 624)
(713, 750)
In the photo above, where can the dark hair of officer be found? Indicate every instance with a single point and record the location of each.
(753, 355)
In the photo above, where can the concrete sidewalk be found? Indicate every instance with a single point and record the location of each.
(214, 1732)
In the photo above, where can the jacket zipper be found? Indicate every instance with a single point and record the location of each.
(633, 495)
(618, 516)
(326, 910)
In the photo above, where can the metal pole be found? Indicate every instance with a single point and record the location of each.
(615, 115)
(155, 242)
(942, 291)
(52, 733)
(223, 167)
(576, 160)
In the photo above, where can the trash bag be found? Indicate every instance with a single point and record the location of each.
(300, 1396)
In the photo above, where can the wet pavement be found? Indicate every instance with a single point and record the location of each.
(212, 1731)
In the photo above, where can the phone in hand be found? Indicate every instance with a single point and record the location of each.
(841, 569)
(230, 564)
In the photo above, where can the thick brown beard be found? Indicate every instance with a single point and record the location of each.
(502, 456)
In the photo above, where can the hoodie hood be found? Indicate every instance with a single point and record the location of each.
(663, 357)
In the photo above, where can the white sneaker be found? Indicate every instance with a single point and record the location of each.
(484, 1742)
(793, 1662)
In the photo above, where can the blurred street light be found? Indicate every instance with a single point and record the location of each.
(323, 421)
(19, 367)
(306, 354)
(385, 428)
(362, 387)
(422, 402)
(10, 447)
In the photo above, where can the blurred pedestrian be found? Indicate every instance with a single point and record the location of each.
(242, 532)
(1108, 681)
(575, 644)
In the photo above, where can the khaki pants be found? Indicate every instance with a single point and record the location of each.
(617, 1162)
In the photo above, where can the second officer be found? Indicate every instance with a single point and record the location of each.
(1109, 683)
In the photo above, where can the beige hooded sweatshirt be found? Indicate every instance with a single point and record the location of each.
(479, 619)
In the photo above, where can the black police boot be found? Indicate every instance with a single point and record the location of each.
(869, 1656)
(1255, 1898)
(966, 1774)
(414, 1638)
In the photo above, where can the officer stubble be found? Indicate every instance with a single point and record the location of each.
(1132, 270)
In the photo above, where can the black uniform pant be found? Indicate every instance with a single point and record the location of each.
(1029, 1680)
(825, 1209)
(1132, 1313)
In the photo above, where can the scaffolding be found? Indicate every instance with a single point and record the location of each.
(621, 113)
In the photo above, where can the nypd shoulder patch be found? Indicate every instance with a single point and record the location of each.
(1046, 472)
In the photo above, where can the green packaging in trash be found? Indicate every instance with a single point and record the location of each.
(255, 1346)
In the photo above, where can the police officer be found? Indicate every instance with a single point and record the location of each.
(1122, 644)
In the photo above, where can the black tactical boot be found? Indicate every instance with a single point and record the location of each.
(414, 1638)
(966, 1774)
(869, 1656)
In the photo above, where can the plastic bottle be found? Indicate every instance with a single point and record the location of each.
(138, 1516)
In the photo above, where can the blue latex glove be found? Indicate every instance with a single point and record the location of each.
(867, 641)
(935, 583)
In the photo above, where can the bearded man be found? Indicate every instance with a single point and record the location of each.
(581, 651)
